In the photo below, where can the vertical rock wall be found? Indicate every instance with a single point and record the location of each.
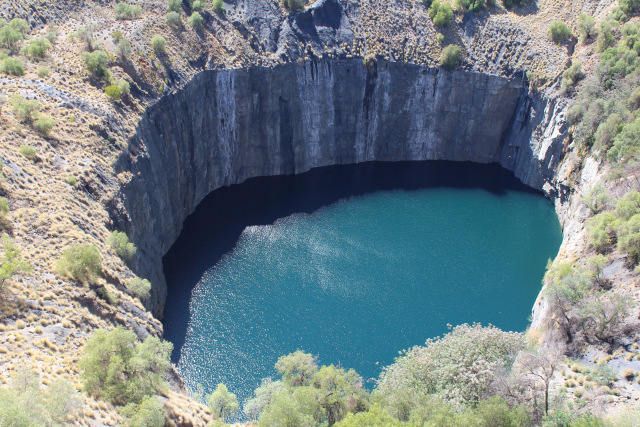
(229, 125)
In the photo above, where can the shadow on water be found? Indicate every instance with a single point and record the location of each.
(215, 226)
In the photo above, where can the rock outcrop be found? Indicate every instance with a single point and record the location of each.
(229, 125)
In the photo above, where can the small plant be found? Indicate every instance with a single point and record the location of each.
(440, 38)
(158, 43)
(25, 110)
(558, 32)
(147, 413)
(469, 5)
(572, 75)
(52, 33)
(441, 14)
(508, 4)
(109, 296)
(123, 48)
(85, 35)
(43, 72)
(11, 262)
(43, 124)
(9, 37)
(450, 57)
(117, 36)
(218, 6)
(96, 63)
(28, 151)
(12, 66)
(124, 86)
(37, 48)
(173, 19)
(5, 220)
(71, 180)
(120, 243)
(196, 5)
(195, 20)
(293, 4)
(629, 374)
(222, 402)
(587, 28)
(126, 11)
(174, 5)
(82, 262)
(138, 287)
(113, 92)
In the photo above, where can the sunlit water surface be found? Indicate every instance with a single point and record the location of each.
(359, 279)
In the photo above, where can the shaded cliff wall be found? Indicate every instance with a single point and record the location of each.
(229, 125)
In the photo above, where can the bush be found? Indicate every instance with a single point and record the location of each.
(558, 31)
(43, 72)
(37, 48)
(109, 296)
(195, 20)
(629, 6)
(71, 180)
(124, 86)
(596, 198)
(118, 368)
(294, 4)
(140, 288)
(123, 48)
(25, 403)
(508, 4)
(113, 92)
(218, 6)
(197, 5)
(24, 109)
(148, 413)
(572, 75)
(125, 11)
(441, 14)
(158, 43)
(11, 262)
(440, 38)
(450, 57)
(28, 151)
(173, 18)
(12, 66)
(174, 5)
(82, 262)
(96, 63)
(120, 243)
(20, 25)
(223, 403)
(469, 5)
(9, 38)
(601, 231)
(587, 27)
(43, 124)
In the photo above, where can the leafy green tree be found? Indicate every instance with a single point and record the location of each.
(603, 315)
(450, 57)
(5, 219)
(20, 25)
(96, 63)
(628, 205)
(120, 369)
(11, 261)
(294, 4)
(158, 43)
(37, 48)
(218, 6)
(12, 67)
(572, 75)
(43, 124)
(113, 91)
(148, 413)
(222, 402)
(297, 368)
(629, 6)
(262, 397)
(596, 198)
(291, 408)
(587, 27)
(138, 287)
(441, 14)
(120, 243)
(82, 262)
(558, 31)
(126, 11)
(9, 38)
(601, 231)
(195, 20)
(24, 109)
(376, 416)
(340, 392)
(174, 5)
(173, 18)
(470, 5)
(628, 235)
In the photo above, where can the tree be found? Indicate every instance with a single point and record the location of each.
(82, 262)
(173, 18)
(629, 6)
(374, 417)
(195, 20)
(119, 240)
(96, 63)
(340, 391)
(596, 198)
(158, 43)
(450, 57)
(441, 14)
(138, 287)
(11, 262)
(262, 397)
(469, 5)
(222, 402)
(9, 38)
(587, 27)
(297, 368)
(25, 110)
(148, 413)
(558, 31)
(540, 367)
(118, 368)
(291, 408)
(218, 6)
(37, 48)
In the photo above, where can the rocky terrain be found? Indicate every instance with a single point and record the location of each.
(259, 90)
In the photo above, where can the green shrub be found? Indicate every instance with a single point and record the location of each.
(558, 31)
(440, 38)
(469, 5)
(450, 57)
(508, 4)
(173, 18)
(158, 43)
(85, 35)
(123, 48)
(195, 20)
(117, 35)
(174, 5)
(601, 231)
(629, 6)
(37, 48)
(120, 243)
(20, 25)
(124, 86)
(5, 219)
(138, 287)
(441, 14)
(113, 92)
(28, 151)
(109, 296)
(222, 402)
(24, 109)
(294, 4)
(96, 63)
(218, 6)
(71, 180)
(43, 72)
(118, 368)
(196, 5)
(43, 124)
(605, 38)
(11, 261)
(81, 261)
(147, 413)
(572, 75)
(24, 403)
(126, 11)
(12, 66)
(587, 27)
(9, 38)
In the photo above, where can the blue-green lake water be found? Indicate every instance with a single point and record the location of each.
(351, 266)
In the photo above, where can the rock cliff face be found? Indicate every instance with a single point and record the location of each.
(229, 125)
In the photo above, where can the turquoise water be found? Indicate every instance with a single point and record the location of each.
(358, 280)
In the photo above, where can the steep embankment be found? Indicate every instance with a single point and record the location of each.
(227, 126)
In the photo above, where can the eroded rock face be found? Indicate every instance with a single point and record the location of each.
(229, 125)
